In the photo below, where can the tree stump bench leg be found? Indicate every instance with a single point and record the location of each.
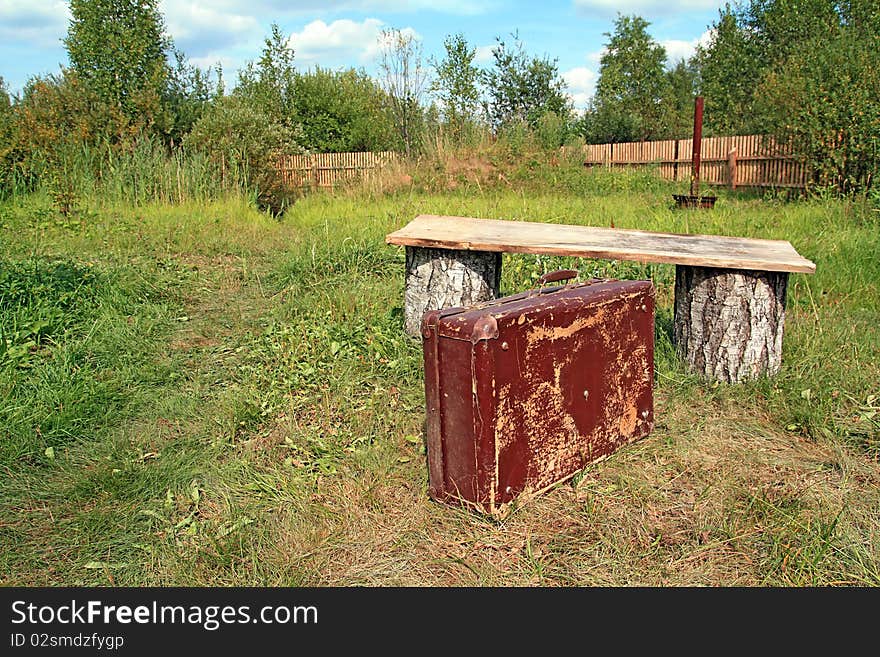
(445, 278)
(728, 323)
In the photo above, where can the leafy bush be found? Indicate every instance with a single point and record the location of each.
(824, 102)
(236, 135)
(57, 117)
(342, 112)
(7, 125)
(552, 130)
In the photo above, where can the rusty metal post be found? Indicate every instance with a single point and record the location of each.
(698, 144)
(731, 168)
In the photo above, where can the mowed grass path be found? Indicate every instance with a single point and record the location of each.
(204, 395)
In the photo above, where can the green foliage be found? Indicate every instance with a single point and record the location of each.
(754, 38)
(825, 102)
(633, 90)
(552, 130)
(456, 86)
(342, 111)
(7, 139)
(803, 71)
(119, 50)
(56, 118)
(234, 131)
(521, 88)
(780, 28)
(680, 103)
(67, 129)
(189, 91)
(269, 84)
(238, 136)
(403, 76)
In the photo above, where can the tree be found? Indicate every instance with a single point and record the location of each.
(239, 136)
(342, 111)
(456, 85)
(730, 67)
(270, 82)
(682, 91)
(188, 92)
(7, 126)
(61, 111)
(118, 48)
(804, 71)
(780, 28)
(825, 103)
(404, 78)
(6, 115)
(522, 89)
(633, 89)
(752, 39)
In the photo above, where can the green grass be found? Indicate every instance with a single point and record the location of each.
(200, 394)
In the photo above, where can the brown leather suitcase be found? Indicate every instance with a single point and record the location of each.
(524, 391)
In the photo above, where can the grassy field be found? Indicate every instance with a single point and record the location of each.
(206, 395)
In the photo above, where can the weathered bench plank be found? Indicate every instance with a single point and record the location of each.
(465, 233)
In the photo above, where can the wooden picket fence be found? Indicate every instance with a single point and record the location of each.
(743, 161)
(327, 170)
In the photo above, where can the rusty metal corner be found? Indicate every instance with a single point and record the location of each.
(429, 323)
(485, 328)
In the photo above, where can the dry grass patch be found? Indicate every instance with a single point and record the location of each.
(714, 496)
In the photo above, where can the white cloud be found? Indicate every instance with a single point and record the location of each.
(677, 49)
(483, 54)
(595, 57)
(455, 7)
(200, 28)
(209, 61)
(342, 39)
(42, 24)
(581, 84)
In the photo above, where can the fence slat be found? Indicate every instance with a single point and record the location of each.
(326, 170)
(760, 161)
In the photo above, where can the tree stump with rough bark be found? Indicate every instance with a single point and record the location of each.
(445, 278)
(728, 323)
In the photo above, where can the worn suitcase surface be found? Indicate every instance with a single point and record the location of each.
(523, 392)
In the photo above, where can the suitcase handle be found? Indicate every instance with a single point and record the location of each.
(559, 275)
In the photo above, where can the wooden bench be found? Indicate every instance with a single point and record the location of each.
(729, 310)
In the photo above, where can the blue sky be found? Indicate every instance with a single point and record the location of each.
(343, 33)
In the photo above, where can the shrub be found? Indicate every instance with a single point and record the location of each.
(824, 103)
(551, 130)
(237, 136)
(57, 117)
(342, 112)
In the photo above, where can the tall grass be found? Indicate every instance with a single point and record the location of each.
(147, 173)
(144, 172)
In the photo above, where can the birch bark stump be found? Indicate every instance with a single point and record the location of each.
(445, 278)
(728, 323)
